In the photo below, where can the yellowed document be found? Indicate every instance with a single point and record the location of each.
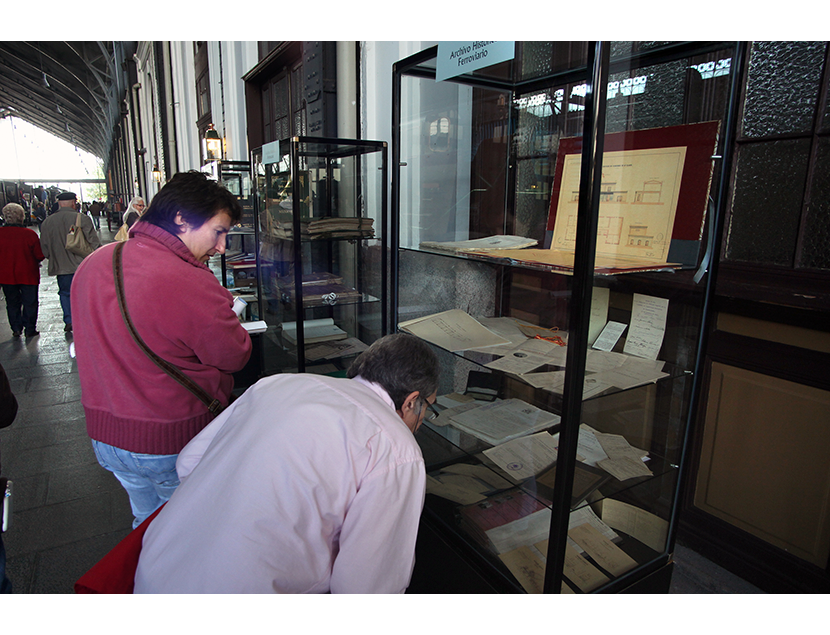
(452, 330)
(458, 489)
(638, 203)
(599, 312)
(604, 552)
(528, 568)
(649, 529)
(581, 572)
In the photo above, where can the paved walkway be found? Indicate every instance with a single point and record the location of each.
(68, 511)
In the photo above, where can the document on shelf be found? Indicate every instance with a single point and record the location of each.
(527, 566)
(331, 350)
(477, 244)
(581, 572)
(524, 531)
(505, 327)
(459, 489)
(649, 529)
(444, 417)
(502, 421)
(453, 330)
(525, 457)
(624, 461)
(648, 326)
(518, 362)
(599, 312)
(609, 336)
(604, 552)
(634, 371)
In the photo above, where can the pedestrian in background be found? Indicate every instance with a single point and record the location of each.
(20, 256)
(63, 263)
(95, 212)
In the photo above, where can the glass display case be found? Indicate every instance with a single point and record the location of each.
(550, 217)
(322, 258)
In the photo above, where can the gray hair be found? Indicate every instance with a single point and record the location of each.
(401, 364)
(14, 214)
(131, 206)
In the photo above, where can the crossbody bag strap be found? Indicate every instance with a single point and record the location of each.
(213, 405)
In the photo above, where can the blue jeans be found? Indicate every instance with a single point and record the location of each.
(64, 285)
(150, 479)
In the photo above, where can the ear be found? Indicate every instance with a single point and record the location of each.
(410, 402)
(181, 223)
(409, 411)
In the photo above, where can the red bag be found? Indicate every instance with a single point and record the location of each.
(115, 572)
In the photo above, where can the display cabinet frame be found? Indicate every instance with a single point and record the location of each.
(690, 288)
(239, 264)
(321, 180)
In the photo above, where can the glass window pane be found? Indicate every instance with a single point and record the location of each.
(816, 239)
(782, 87)
(766, 207)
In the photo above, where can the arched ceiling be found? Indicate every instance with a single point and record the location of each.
(72, 90)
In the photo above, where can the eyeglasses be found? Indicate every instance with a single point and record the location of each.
(431, 413)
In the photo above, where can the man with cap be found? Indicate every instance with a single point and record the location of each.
(63, 263)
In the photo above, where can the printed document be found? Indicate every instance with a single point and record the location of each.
(525, 457)
(648, 325)
(502, 421)
(453, 330)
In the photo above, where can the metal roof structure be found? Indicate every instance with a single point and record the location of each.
(72, 90)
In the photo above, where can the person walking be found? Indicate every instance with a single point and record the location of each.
(63, 263)
(20, 256)
(95, 212)
(139, 417)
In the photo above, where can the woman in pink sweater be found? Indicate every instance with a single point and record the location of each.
(138, 417)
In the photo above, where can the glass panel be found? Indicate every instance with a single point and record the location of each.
(782, 87)
(763, 225)
(816, 238)
(331, 195)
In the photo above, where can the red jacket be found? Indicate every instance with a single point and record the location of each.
(20, 255)
(183, 314)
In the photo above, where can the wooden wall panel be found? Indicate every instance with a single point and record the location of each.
(764, 460)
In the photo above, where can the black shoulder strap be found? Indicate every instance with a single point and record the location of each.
(213, 405)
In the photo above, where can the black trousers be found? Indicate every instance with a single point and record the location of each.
(21, 306)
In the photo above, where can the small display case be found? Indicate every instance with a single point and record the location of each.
(321, 205)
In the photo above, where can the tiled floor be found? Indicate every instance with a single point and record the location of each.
(69, 512)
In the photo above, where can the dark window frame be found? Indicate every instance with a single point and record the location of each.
(793, 286)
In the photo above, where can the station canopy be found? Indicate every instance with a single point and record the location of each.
(72, 90)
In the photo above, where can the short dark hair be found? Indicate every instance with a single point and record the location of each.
(196, 196)
(401, 364)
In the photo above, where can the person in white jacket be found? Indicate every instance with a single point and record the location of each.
(305, 484)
